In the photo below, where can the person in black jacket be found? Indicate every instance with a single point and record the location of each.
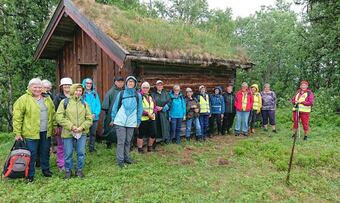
(229, 113)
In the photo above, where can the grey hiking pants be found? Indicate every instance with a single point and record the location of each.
(124, 136)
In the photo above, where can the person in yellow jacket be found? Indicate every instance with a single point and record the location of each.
(147, 127)
(33, 122)
(255, 114)
(75, 117)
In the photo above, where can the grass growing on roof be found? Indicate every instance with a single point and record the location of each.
(158, 36)
(224, 169)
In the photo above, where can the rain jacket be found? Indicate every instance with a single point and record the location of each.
(268, 100)
(107, 105)
(217, 105)
(26, 116)
(257, 105)
(92, 99)
(177, 106)
(77, 113)
(244, 101)
(162, 99)
(229, 99)
(130, 112)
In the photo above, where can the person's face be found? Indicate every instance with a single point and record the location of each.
(119, 84)
(131, 84)
(88, 85)
(159, 86)
(176, 90)
(47, 88)
(253, 89)
(189, 93)
(66, 89)
(78, 92)
(203, 90)
(217, 91)
(146, 89)
(229, 89)
(266, 88)
(36, 90)
(303, 86)
(244, 88)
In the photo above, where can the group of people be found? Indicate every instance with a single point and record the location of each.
(73, 114)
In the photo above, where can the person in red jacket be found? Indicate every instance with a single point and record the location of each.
(303, 101)
(243, 103)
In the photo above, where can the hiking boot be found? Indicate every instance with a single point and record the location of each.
(252, 130)
(293, 135)
(141, 150)
(274, 131)
(228, 132)
(237, 134)
(80, 174)
(187, 139)
(245, 134)
(30, 179)
(68, 175)
(305, 138)
(47, 173)
(150, 149)
(265, 129)
(129, 161)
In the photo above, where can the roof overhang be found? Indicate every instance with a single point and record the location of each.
(61, 29)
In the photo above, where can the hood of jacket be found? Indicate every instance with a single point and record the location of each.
(172, 94)
(74, 87)
(219, 88)
(93, 88)
(256, 87)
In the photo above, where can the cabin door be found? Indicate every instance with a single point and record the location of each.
(87, 71)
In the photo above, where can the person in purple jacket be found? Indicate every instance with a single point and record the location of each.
(268, 107)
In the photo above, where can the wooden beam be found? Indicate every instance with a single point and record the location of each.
(63, 38)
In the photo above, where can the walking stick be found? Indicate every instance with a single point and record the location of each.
(292, 153)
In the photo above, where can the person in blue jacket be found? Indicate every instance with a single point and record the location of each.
(91, 97)
(177, 113)
(217, 110)
(126, 116)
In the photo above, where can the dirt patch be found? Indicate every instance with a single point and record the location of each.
(222, 161)
(187, 161)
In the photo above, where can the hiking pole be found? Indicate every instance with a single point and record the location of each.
(293, 148)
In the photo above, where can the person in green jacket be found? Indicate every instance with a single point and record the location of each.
(109, 100)
(75, 117)
(33, 122)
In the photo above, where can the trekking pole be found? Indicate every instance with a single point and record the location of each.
(293, 148)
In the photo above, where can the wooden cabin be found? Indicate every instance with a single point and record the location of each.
(81, 38)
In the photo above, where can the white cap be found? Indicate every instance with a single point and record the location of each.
(159, 81)
(188, 89)
(65, 81)
(145, 84)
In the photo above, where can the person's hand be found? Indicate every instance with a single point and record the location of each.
(184, 118)
(137, 126)
(56, 131)
(258, 111)
(93, 116)
(79, 130)
(222, 115)
(111, 124)
(18, 137)
(209, 115)
(74, 129)
(160, 108)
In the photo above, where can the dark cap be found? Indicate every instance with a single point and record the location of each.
(118, 78)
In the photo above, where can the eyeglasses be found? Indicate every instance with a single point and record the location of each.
(90, 83)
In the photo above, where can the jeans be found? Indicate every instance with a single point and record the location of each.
(204, 121)
(93, 131)
(176, 124)
(124, 137)
(44, 144)
(242, 120)
(69, 144)
(197, 124)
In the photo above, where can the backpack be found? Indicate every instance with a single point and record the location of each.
(18, 161)
(121, 98)
(66, 101)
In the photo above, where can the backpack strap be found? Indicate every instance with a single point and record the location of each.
(121, 93)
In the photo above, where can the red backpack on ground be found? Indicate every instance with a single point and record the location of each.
(18, 161)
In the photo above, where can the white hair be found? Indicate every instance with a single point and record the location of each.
(176, 86)
(146, 84)
(46, 82)
(244, 84)
(266, 85)
(34, 81)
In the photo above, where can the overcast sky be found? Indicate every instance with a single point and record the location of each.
(244, 8)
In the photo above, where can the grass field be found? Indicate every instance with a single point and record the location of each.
(223, 169)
